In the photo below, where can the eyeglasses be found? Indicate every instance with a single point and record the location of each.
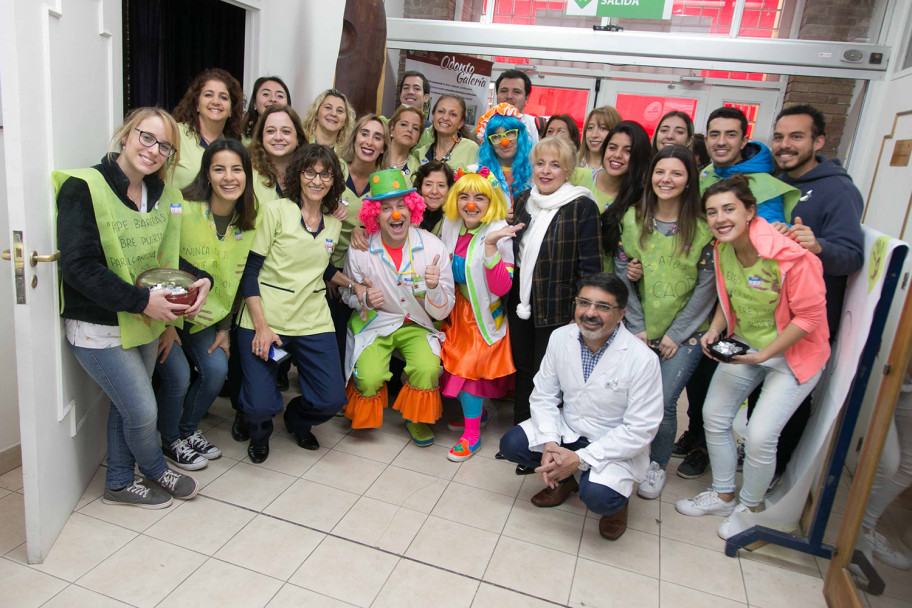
(148, 140)
(511, 135)
(602, 307)
(310, 175)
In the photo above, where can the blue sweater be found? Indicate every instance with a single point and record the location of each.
(756, 158)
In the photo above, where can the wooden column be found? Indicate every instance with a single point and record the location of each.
(359, 68)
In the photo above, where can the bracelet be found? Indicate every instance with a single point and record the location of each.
(714, 329)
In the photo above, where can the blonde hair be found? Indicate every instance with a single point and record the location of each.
(473, 182)
(132, 121)
(310, 121)
(385, 163)
(607, 117)
(563, 147)
(348, 146)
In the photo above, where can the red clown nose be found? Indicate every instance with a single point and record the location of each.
(471, 206)
(396, 215)
(504, 142)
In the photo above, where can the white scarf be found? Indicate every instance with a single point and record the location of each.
(542, 208)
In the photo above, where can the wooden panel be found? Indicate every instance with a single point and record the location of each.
(359, 68)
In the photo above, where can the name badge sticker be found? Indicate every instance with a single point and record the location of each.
(177, 209)
(329, 244)
(238, 235)
(756, 282)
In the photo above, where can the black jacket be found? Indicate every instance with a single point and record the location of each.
(92, 292)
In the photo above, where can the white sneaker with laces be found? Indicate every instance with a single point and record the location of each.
(651, 488)
(705, 503)
(886, 552)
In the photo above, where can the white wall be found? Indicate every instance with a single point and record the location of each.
(297, 40)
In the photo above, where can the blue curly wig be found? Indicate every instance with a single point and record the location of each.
(522, 166)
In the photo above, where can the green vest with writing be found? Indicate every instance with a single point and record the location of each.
(763, 186)
(223, 258)
(669, 274)
(132, 243)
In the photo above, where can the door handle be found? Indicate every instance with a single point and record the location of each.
(35, 257)
(6, 255)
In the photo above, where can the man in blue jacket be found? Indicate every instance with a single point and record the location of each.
(827, 218)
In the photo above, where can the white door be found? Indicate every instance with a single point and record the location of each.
(647, 102)
(759, 105)
(61, 87)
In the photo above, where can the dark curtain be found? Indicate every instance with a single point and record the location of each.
(168, 42)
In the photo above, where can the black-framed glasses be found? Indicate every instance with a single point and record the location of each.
(599, 306)
(310, 175)
(148, 140)
(511, 135)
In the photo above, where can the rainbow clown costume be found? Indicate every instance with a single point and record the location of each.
(409, 286)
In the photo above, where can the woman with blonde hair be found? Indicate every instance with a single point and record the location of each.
(598, 123)
(476, 357)
(115, 221)
(274, 139)
(211, 108)
(330, 118)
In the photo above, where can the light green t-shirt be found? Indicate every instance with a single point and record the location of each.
(582, 176)
(462, 155)
(292, 290)
(754, 293)
(191, 158)
(263, 192)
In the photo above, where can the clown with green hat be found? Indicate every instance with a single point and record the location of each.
(410, 286)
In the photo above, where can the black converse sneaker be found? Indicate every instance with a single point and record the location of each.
(184, 456)
(205, 449)
(137, 495)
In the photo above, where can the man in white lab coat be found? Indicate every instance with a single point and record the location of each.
(410, 286)
(610, 386)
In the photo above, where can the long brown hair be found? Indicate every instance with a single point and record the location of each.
(186, 113)
(464, 130)
(691, 208)
(258, 155)
(245, 208)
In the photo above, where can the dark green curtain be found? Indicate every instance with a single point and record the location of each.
(168, 42)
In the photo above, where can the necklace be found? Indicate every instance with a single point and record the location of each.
(449, 152)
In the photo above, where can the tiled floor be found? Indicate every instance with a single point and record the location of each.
(371, 520)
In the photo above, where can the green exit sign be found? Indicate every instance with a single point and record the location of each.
(629, 9)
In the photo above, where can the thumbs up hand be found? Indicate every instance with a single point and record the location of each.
(432, 273)
(804, 236)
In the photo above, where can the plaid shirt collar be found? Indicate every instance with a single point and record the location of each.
(591, 359)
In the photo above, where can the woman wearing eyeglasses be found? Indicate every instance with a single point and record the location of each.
(505, 148)
(212, 108)
(406, 127)
(115, 221)
(285, 303)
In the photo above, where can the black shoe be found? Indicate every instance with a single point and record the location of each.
(258, 453)
(500, 456)
(282, 382)
(240, 430)
(308, 441)
(523, 470)
(685, 444)
(694, 464)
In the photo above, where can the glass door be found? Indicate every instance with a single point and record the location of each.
(647, 102)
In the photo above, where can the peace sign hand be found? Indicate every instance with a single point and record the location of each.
(432, 273)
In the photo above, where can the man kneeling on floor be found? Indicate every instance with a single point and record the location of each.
(409, 286)
(610, 386)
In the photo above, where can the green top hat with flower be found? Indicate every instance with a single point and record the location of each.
(388, 183)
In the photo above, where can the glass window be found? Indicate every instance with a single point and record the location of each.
(648, 109)
(750, 111)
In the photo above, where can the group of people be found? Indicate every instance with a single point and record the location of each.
(588, 276)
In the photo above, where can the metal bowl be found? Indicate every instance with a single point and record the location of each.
(170, 277)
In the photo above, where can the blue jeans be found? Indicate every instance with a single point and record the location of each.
(779, 398)
(676, 373)
(125, 375)
(601, 499)
(181, 406)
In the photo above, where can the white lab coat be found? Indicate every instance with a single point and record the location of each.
(404, 291)
(618, 409)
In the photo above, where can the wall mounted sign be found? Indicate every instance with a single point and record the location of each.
(629, 9)
(901, 153)
(453, 74)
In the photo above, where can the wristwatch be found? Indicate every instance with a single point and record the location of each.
(583, 465)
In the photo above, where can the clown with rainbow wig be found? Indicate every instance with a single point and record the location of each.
(477, 360)
(409, 286)
(505, 148)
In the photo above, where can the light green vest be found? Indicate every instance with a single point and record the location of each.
(191, 159)
(669, 274)
(763, 186)
(132, 243)
(463, 154)
(223, 258)
(754, 294)
(582, 176)
(353, 204)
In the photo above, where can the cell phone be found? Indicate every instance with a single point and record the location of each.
(277, 354)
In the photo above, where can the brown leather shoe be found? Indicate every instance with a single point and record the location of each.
(553, 497)
(613, 526)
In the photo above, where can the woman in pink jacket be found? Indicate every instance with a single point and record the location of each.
(771, 297)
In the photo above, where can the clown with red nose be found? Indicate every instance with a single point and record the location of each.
(409, 286)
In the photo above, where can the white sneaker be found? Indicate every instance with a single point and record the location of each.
(885, 552)
(705, 503)
(651, 488)
(727, 528)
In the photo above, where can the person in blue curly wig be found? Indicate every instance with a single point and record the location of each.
(505, 148)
